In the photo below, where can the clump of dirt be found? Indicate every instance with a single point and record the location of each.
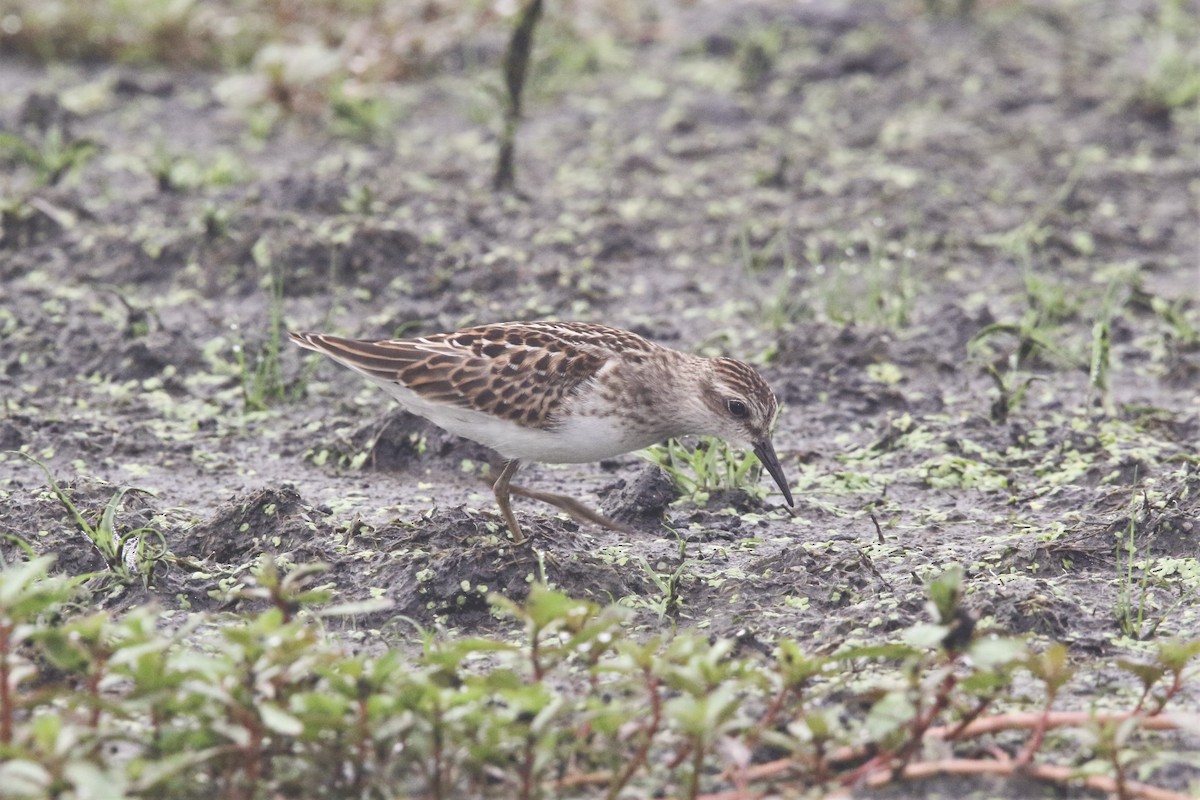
(445, 567)
(643, 500)
(399, 441)
(272, 520)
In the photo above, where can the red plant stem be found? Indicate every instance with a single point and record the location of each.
(768, 717)
(681, 756)
(1119, 769)
(648, 733)
(535, 657)
(967, 719)
(251, 754)
(919, 726)
(1176, 687)
(93, 687)
(363, 734)
(921, 770)
(1000, 722)
(254, 756)
(1142, 700)
(1050, 773)
(436, 778)
(821, 760)
(1055, 719)
(527, 768)
(6, 701)
(697, 765)
(1038, 734)
(922, 723)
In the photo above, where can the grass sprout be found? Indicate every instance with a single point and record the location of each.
(711, 466)
(52, 156)
(131, 553)
(261, 372)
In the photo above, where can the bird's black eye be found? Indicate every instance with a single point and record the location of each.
(737, 408)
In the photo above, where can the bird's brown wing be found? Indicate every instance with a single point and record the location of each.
(516, 371)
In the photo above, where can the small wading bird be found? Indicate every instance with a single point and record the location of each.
(563, 393)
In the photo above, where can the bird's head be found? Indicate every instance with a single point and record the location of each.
(742, 410)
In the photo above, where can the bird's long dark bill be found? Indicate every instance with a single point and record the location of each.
(766, 454)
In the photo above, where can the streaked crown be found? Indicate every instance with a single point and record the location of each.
(742, 401)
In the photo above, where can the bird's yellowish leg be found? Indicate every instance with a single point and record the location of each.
(572, 506)
(504, 497)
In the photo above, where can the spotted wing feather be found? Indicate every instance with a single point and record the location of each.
(523, 372)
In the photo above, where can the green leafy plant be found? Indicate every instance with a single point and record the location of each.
(262, 371)
(1007, 372)
(1182, 330)
(52, 155)
(878, 289)
(1139, 575)
(258, 703)
(712, 465)
(669, 600)
(784, 304)
(126, 555)
(1172, 80)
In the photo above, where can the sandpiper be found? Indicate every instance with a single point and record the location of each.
(563, 393)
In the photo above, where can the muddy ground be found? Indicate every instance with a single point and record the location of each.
(875, 204)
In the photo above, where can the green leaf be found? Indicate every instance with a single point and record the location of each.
(925, 635)
(22, 778)
(279, 721)
(1175, 655)
(893, 711)
(819, 724)
(796, 667)
(170, 766)
(356, 608)
(546, 606)
(991, 652)
(1051, 666)
(1148, 674)
(92, 782)
(897, 652)
(703, 715)
(945, 592)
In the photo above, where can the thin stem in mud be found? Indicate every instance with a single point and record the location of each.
(820, 762)
(516, 69)
(1146, 694)
(1176, 688)
(535, 655)
(251, 753)
(93, 690)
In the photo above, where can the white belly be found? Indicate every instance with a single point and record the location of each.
(580, 439)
